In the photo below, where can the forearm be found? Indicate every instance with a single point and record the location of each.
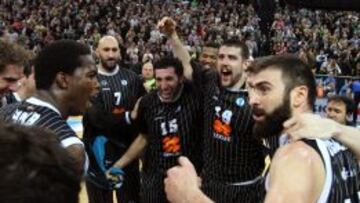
(134, 151)
(350, 137)
(182, 54)
(199, 197)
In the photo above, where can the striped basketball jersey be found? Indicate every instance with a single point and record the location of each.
(9, 98)
(173, 129)
(342, 180)
(119, 90)
(118, 94)
(35, 112)
(231, 153)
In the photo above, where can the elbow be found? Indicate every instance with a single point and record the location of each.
(77, 153)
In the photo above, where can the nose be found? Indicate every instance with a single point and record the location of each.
(253, 98)
(111, 54)
(13, 86)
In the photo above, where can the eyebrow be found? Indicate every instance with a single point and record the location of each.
(261, 83)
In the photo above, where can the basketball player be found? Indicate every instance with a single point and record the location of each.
(170, 119)
(108, 127)
(26, 86)
(233, 158)
(12, 60)
(208, 55)
(307, 170)
(65, 76)
(35, 168)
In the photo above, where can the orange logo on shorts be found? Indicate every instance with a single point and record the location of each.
(221, 128)
(171, 144)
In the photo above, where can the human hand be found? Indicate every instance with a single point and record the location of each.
(309, 125)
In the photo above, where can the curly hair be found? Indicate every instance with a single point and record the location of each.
(12, 54)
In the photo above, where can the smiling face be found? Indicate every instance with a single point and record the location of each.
(208, 57)
(230, 66)
(168, 83)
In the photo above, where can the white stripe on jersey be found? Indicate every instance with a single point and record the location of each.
(328, 171)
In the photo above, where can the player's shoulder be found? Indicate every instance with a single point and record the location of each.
(150, 98)
(129, 73)
(297, 151)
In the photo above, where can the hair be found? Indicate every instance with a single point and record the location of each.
(212, 45)
(349, 103)
(167, 62)
(35, 168)
(28, 68)
(294, 72)
(244, 50)
(12, 54)
(60, 56)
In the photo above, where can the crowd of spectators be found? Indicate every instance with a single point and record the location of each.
(329, 41)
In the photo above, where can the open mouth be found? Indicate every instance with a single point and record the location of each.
(225, 72)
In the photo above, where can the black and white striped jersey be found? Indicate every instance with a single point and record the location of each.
(173, 129)
(35, 112)
(231, 153)
(342, 170)
(9, 98)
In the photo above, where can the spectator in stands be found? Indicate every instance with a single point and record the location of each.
(339, 108)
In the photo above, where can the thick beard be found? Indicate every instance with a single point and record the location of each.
(273, 123)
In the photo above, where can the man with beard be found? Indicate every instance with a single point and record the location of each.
(108, 126)
(233, 158)
(170, 122)
(65, 77)
(307, 170)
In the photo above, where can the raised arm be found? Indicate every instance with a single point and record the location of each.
(167, 26)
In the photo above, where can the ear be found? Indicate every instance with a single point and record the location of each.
(247, 63)
(299, 97)
(62, 80)
(181, 78)
(97, 51)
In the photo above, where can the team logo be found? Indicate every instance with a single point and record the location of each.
(221, 124)
(240, 102)
(103, 83)
(171, 143)
(124, 82)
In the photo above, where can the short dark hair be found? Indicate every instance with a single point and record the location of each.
(28, 68)
(294, 72)
(167, 62)
(244, 53)
(349, 103)
(212, 45)
(60, 56)
(12, 54)
(35, 168)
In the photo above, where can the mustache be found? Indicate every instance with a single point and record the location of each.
(257, 111)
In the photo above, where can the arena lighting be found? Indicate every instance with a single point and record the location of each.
(339, 5)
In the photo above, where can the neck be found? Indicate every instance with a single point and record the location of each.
(106, 71)
(239, 84)
(55, 99)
